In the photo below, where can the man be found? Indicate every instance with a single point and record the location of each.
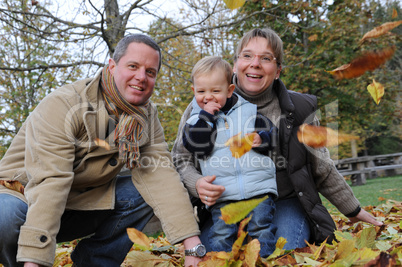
(68, 155)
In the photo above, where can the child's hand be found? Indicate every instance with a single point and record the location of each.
(257, 141)
(212, 107)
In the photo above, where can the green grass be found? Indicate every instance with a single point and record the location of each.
(375, 192)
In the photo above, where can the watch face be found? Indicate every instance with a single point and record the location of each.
(201, 251)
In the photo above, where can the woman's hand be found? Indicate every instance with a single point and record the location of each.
(365, 217)
(207, 191)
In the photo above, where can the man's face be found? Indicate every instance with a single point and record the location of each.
(135, 74)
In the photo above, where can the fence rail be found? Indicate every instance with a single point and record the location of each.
(370, 167)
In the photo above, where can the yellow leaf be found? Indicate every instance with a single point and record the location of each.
(235, 212)
(366, 255)
(234, 4)
(380, 30)
(280, 243)
(239, 145)
(345, 248)
(139, 238)
(317, 250)
(366, 238)
(143, 259)
(238, 243)
(241, 235)
(319, 136)
(358, 66)
(252, 253)
(376, 91)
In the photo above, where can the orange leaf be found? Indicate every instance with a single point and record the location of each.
(369, 61)
(319, 136)
(376, 90)
(13, 185)
(102, 143)
(240, 145)
(139, 238)
(380, 30)
(394, 13)
(252, 253)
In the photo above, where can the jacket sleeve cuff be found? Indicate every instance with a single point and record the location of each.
(36, 245)
(354, 213)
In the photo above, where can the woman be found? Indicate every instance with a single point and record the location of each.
(301, 172)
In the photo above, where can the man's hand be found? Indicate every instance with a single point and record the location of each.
(207, 191)
(189, 243)
(364, 216)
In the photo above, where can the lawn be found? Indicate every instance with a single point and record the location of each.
(375, 192)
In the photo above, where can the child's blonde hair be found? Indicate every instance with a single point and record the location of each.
(211, 63)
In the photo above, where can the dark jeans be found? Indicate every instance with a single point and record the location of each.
(290, 218)
(222, 236)
(106, 242)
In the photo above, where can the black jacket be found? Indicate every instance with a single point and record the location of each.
(296, 109)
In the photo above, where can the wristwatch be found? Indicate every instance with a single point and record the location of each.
(198, 251)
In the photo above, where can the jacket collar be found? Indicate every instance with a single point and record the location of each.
(96, 117)
(285, 102)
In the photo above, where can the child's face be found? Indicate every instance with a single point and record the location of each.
(213, 87)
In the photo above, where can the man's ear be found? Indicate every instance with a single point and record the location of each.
(230, 90)
(112, 65)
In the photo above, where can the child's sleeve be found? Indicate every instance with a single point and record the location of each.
(199, 134)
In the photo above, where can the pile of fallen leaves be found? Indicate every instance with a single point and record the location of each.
(358, 244)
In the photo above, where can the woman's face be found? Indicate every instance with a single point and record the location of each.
(254, 73)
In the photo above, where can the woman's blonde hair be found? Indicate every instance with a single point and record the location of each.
(211, 63)
(274, 41)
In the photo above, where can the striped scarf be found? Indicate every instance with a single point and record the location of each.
(130, 120)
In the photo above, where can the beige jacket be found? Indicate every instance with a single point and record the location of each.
(55, 157)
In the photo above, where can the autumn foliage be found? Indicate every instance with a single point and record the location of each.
(357, 244)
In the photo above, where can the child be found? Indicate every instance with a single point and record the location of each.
(218, 114)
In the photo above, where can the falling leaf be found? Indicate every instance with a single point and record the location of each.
(234, 4)
(380, 30)
(319, 136)
(13, 185)
(394, 13)
(102, 143)
(235, 212)
(369, 61)
(139, 238)
(239, 145)
(376, 90)
(381, 199)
